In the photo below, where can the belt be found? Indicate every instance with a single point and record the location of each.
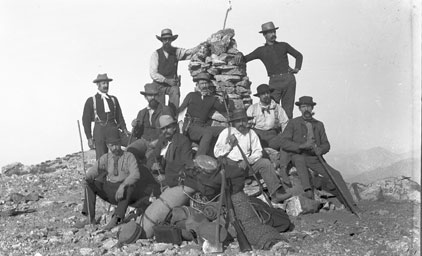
(278, 75)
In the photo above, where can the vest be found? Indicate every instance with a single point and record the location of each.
(167, 67)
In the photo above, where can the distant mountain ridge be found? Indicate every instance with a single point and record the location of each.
(363, 161)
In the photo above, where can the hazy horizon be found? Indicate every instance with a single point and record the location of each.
(361, 64)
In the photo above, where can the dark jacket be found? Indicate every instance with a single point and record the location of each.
(145, 128)
(296, 134)
(179, 155)
(88, 115)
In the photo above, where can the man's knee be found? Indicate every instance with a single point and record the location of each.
(174, 90)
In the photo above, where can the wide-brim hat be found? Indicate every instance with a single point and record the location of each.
(150, 89)
(202, 76)
(239, 114)
(102, 77)
(165, 120)
(262, 88)
(167, 34)
(305, 100)
(269, 26)
(112, 136)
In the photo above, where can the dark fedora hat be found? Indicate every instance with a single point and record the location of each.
(150, 89)
(239, 114)
(269, 26)
(112, 136)
(102, 77)
(167, 34)
(305, 100)
(262, 88)
(202, 76)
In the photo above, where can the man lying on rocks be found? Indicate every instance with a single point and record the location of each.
(115, 177)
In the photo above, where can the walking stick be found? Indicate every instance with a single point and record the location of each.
(261, 188)
(83, 165)
(350, 206)
(227, 13)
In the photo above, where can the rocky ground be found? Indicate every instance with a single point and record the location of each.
(39, 205)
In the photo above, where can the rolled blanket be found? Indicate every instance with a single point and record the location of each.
(259, 235)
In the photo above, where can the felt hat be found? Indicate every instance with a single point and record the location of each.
(167, 34)
(150, 89)
(206, 163)
(102, 77)
(129, 232)
(202, 76)
(263, 88)
(112, 136)
(269, 26)
(305, 100)
(165, 120)
(238, 114)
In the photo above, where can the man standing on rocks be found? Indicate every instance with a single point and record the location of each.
(163, 68)
(305, 139)
(145, 126)
(199, 106)
(274, 55)
(115, 177)
(248, 141)
(105, 111)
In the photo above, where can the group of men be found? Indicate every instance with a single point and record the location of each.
(162, 148)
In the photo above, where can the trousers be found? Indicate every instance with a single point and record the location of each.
(284, 89)
(203, 134)
(99, 136)
(174, 95)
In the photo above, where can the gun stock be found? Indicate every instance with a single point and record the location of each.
(244, 245)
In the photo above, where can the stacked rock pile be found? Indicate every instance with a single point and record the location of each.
(216, 57)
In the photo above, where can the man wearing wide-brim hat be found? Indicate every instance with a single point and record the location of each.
(200, 105)
(145, 126)
(163, 67)
(116, 178)
(305, 139)
(105, 111)
(240, 134)
(274, 55)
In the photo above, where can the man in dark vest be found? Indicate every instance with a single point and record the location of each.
(163, 68)
(105, 111)
(145, 126)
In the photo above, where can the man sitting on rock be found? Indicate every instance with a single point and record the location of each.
(305, 139)
(240, 134)
(199, 106)
(145, 126)
(115, 177)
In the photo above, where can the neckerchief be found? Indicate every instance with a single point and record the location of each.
(104, 96)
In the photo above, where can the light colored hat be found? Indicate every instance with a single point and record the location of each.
(167, 33)
(165, 120)
(150, 89)
(267, 27)
(102, 77)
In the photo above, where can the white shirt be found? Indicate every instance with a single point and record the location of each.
(249, 143)
(263, 120)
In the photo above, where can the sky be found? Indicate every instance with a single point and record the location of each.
(361, 64)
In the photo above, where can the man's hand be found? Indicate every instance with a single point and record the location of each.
(243, 165)
(294, 70)
(119, 193)
(91, 144)
(238, 58)
(161, 177)
(156, 167)
(170, 81)
(306, 145)
(86, 180)
(126, 132)
(135, 122)
(318, 151)
(232, 140)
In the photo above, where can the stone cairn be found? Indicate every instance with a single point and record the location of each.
(216, 57)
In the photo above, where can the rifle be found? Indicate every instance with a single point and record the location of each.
(83, 165)
(244, 245)
(261, 188)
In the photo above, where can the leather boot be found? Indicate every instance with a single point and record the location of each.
(113, 223)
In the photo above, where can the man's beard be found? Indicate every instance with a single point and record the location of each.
(169, 48)
(266, 100)
(243, 129)
(308, 114)
(153, 104)
(117, 152)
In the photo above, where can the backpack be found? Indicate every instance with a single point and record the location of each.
(274, 217)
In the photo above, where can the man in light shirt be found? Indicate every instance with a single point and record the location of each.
(240, 134)
(163, 68)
